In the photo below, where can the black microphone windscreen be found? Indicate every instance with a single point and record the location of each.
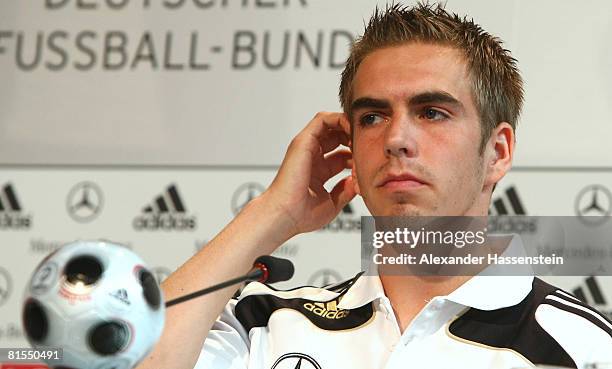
(279, 270)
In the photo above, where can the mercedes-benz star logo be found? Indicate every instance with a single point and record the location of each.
(5, 286)
(84, 202)
(594, 204)
(244, 194)
(324, 277)
(296, 360)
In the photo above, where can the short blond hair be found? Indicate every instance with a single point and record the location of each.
(497, 86)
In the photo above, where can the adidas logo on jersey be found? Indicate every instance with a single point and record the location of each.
(327, 310)
(167, 212)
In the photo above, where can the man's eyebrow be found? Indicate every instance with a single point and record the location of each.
(435, 97)
(369, 103)
(428, 97)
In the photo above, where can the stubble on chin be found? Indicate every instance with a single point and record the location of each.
(409, 213)
(406, 206)
(409, 210)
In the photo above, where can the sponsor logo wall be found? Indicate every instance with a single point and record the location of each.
(164, 215)
(167, 215)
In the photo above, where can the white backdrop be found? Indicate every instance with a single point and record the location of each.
(124, 99)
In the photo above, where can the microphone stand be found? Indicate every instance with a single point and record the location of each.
(260, 272)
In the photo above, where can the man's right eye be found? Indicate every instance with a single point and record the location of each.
(370, 119)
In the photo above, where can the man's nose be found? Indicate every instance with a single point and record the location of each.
(400, 138)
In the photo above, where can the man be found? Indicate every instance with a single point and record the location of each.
(430, 105)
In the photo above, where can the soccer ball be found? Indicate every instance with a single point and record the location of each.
(98, 302)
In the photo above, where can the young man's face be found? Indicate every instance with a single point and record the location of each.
(416, 133)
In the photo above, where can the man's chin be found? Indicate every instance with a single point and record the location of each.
(405, 210)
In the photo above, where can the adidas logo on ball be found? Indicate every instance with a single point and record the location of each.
(121, 295)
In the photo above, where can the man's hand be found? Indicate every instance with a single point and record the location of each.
(295, 202)
(311, 160)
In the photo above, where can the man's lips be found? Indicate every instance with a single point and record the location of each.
(401, 181)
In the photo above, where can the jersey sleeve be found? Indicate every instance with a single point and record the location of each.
(583, 332)
(227, 345)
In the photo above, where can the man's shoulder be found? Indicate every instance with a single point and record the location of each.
(549, 326)
(583, 331)
(319, 305)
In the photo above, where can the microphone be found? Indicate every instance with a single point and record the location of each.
(272, 269)
(266, 268)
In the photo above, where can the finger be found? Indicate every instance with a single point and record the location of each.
(339, 129)
(323, 134)
(329, 166)
(332, 140)
(322, 122)
(338, 161)
(343, 192)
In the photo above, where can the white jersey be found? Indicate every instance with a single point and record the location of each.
(489, 322)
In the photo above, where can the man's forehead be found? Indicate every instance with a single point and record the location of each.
(407, 70)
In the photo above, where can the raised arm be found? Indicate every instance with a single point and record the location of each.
(296, 202)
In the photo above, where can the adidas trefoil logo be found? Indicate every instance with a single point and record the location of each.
(167, 212)
(11, 211)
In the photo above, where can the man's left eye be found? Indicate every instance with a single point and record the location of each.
(434, 114)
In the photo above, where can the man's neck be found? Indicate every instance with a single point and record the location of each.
(409, 294)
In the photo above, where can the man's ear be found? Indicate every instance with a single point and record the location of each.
(498, 153)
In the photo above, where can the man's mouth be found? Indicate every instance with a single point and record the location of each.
(401, 181)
